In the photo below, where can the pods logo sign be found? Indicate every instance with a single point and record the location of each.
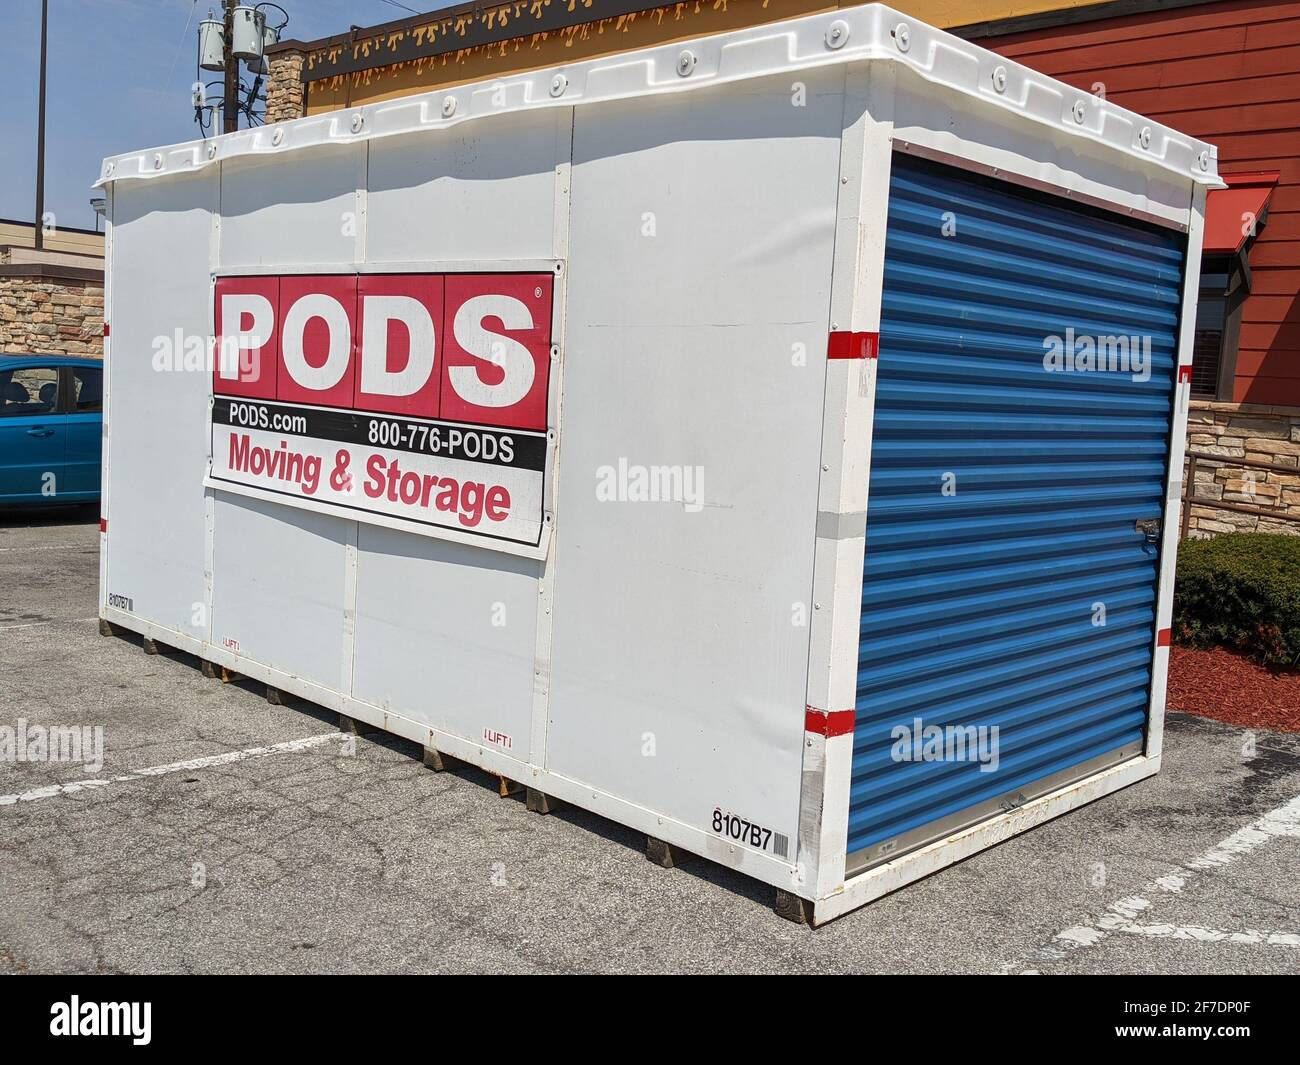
(460, 347)
(420, 399)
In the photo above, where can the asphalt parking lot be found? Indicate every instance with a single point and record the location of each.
(227, 834)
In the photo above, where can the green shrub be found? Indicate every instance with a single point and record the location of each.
(1241, 591)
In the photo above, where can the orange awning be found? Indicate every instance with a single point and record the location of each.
(1228, 211)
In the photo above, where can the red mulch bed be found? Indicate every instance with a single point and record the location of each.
(1227, 687)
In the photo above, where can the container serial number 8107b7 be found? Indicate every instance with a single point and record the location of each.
(742, 830)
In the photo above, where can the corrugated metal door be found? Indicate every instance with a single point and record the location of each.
(1008, 600)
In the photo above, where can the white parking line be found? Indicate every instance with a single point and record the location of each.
(51, 790)
(1211, 935)
(1120, 915)
(41, 624)
(1284, 821)
(45, 547)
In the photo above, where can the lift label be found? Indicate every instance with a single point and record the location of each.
(422, 398)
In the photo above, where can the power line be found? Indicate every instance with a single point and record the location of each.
(181, 43)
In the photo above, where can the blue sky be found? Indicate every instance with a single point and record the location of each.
(119, 78)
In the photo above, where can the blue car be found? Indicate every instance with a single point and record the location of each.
(51, 422)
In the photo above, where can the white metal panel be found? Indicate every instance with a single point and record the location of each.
(278, 590)
(156, 448)
(699, 291)
(445, 635)
(483, 191)
(562, 213)
(942, 119)
(262, 607)
(296, 210)
(1174, 488)
(104, 487)
(842, 494)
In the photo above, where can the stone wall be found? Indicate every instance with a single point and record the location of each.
(1244, 431)
(284, 88)
(51, 316)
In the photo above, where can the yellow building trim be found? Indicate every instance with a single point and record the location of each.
(590, 40)
(22, 235)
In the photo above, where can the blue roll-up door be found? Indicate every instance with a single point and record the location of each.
(1006, 583)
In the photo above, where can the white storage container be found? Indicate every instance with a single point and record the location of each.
(547, 423)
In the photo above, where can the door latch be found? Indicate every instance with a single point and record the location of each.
(1148, 527)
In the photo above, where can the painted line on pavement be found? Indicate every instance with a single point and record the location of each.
(1121, 915)
(229, 758)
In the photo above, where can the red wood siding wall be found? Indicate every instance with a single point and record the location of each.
(1227, 73)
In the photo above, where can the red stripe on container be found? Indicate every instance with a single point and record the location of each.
(1184, 374)
(103, 525)
(105, 329)
(1164, 637)
(829, 723)
(853, 346)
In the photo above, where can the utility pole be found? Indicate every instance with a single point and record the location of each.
(230, 109)
(39, 234)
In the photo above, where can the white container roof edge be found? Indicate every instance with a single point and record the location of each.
(869, 32)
